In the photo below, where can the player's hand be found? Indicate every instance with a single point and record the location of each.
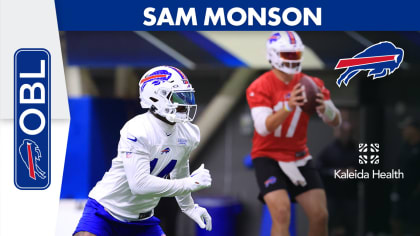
(320, 100)
(297, 97)
(200, 216)
(200, 179)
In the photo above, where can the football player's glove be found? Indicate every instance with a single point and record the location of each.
(199, 179)
(284, 51)
(200, 216)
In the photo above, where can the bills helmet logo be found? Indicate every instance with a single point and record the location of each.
(166, 151)
(271, 180)
(31, 155)
(155, 78)
(380, 60)
(274, 37)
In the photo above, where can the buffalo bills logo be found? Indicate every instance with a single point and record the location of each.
(380, 60)
(155, 78)
(165, 151)
(274, 37)
(31, 155)
(271, 180)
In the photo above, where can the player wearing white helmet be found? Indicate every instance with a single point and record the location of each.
(284, 51)
(283, 164)
(152, 147)
(170, 95)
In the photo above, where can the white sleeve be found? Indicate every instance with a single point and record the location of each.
(141, 182)
(185, 201)
(259, 116)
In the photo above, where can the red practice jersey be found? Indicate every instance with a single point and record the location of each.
(290, 137)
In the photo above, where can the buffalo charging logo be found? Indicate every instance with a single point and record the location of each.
(379, 60)
(274, 37)
(32, 119)
(30, 154)
(269, 181)
(155, 78)
(165, 151)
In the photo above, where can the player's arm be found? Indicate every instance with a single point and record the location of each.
(141, 182)
(277, 118)
(182, 170)
(327, 111)
(265, 120)
(186, 202)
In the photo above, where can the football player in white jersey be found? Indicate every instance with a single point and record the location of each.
(152, 147)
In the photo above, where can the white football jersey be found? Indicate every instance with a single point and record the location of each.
(149, 150)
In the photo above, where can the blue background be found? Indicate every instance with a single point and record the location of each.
(336, 15)
(93, 140)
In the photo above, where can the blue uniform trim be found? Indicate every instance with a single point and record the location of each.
(98, 221)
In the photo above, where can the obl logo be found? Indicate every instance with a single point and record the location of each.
(32, 118)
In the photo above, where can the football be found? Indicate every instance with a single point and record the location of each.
(310, 91)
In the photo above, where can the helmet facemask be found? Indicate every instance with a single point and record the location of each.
(183, 106)
(288, 62)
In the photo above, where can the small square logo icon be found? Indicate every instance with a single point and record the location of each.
(368, 153)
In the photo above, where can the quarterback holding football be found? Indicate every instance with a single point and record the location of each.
(281, 102)
(152, 147)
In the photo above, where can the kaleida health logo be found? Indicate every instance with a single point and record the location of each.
(369, 155)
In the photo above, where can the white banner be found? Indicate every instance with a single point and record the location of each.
(30, 24)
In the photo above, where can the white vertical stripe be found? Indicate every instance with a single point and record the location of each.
(293, 124)
(277, 107)
(277, 132)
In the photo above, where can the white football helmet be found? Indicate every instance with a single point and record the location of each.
(167, 91)
(284, 51)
